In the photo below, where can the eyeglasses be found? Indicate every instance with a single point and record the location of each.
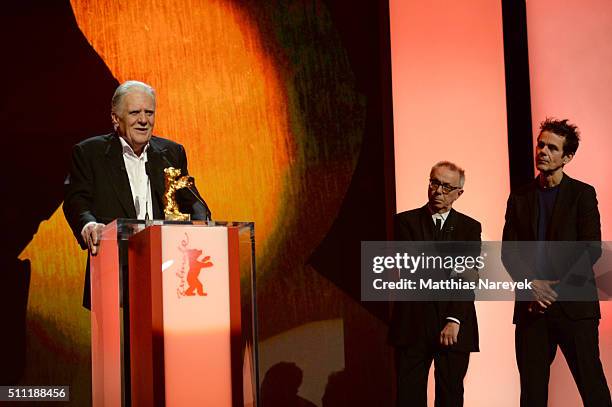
(446, 188)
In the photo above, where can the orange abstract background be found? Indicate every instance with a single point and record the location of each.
(266, 140)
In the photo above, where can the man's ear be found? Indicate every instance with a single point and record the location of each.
(114, 120)
(460, 192)
(567, 158)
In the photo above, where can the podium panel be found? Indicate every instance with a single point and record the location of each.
(106, 321)
(172, 315)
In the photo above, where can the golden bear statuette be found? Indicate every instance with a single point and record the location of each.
(174, 182)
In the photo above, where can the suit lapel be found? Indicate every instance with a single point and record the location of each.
(448, 229)
(118, 175)
(427, 230)
(156, 176)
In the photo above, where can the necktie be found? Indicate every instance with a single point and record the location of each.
(438, 229)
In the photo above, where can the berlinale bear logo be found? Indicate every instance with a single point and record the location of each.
(194, 265)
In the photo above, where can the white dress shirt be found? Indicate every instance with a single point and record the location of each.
(140, 185)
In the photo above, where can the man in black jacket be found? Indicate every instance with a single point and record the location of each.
(444, 332)
(554, 207)
(120, 175)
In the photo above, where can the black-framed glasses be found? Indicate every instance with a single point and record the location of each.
(446, 188)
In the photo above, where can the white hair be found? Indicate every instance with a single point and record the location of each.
(125, 88)
(453, 167)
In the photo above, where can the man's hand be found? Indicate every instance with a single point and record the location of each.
(543, 293)
(91, 235)
(449, 334)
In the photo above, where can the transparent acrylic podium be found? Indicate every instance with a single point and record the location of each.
(172, 314)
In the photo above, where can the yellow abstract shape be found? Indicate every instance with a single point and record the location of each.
(56, 283)
(218, 93)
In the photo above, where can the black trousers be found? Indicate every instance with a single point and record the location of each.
(413, 364)
(537, 339)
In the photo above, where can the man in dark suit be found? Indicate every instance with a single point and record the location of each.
(554, 207)
(444, 332)
(120, 175)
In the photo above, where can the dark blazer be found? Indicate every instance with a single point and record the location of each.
(98, 188)
(575, 217)
(409, 318)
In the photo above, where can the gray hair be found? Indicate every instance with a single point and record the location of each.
(125, 88)
(453, 167)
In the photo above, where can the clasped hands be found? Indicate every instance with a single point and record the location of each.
(544, 295)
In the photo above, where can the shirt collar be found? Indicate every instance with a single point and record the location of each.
(442, 216)
(127, 149)
(436, 215)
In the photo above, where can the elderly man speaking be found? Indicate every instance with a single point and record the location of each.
(120, 175)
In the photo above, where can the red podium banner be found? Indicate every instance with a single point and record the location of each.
(170, 325)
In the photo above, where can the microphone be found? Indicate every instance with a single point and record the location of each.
(190, 189)
(148, 173)
(201, 201)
